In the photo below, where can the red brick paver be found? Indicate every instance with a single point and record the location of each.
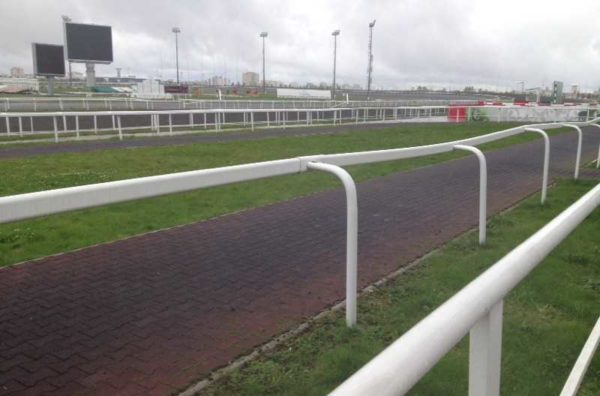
(152, 313)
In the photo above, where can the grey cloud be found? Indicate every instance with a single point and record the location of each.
(455, 42)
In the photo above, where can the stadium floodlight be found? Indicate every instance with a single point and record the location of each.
(370, 67)
(335, 33)
(65, 20)
(176, 30)
(264, 35)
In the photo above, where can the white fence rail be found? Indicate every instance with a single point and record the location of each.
(24, 206)
(476, 309)
(43, 126)
(23, 124)
(583, 362)
(22, 104)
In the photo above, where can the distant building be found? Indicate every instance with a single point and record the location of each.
(217, 81)
(356, 86)
(17, 72)
(557, 92)
(323, 85)
(250, 78)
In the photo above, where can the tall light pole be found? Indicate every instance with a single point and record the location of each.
(264, 35)
(334, 34)
(370, 67)
(176, 30)
(66, 19)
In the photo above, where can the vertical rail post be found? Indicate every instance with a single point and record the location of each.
(55, 129)
(482, 189)
(95, 124)
(31, 125)
(485, 353)
(170, 125)
(579, 143)
(351, 235)
(20, 126)
(546, 159)
(77, 126)
(120, 129)
(252, 120)
(64, 118)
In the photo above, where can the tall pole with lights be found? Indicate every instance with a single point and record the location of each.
(334, 34)
(264, 82)
(370, 67)
(66, 19)
(176, 30)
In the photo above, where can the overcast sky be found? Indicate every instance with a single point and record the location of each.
(441, 43)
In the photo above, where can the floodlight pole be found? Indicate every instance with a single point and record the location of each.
(50, 81)
(176, 30)
(334, 34)
(264, 82)
(370, 67)
(65, 20)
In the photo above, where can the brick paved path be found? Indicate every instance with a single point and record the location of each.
(149, 314)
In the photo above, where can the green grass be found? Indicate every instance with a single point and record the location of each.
(44, 236)
(547, 318)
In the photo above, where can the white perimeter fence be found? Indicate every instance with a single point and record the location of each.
(152, 123)
(33, 104)
(105, 124)
(476, 310)
(478, 307)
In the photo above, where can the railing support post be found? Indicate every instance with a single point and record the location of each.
(482, 189)
(546, 160)
(485, 353)
(55, 129)
(120, 129)
(579, 143)
(351, 235)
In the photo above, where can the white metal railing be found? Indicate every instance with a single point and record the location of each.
(106, 103)
(154, 120)
(583, 362)
(476, 309)
(30, 205)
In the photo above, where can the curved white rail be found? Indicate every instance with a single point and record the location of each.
(400, 366)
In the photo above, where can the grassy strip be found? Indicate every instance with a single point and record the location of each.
(40, 237)
(547, 318)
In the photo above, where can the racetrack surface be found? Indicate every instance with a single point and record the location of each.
(152, 313)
